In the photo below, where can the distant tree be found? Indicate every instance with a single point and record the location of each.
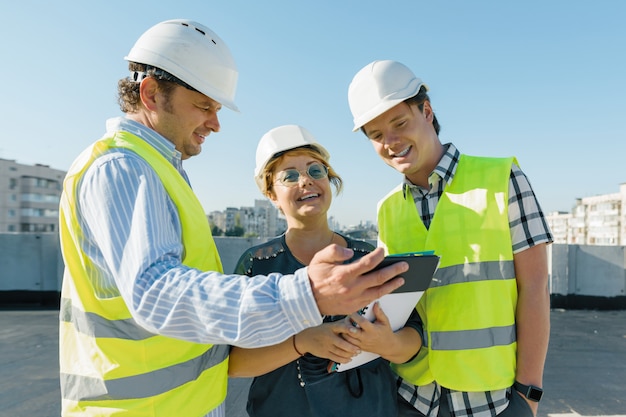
(216, 231)
(235, 231)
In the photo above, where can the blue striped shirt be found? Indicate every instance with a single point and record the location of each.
(132, 233)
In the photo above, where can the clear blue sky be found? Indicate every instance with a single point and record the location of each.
(542, 80)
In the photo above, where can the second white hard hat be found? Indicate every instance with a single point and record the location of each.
(379, 86)
(193, 53)
(281, 139)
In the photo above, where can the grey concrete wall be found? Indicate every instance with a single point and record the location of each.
(585, 276)
(588, 276)
(231, 248)
(588, 270)
(30, 262)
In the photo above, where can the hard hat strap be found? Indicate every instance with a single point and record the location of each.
(137, 76)
(159, 74)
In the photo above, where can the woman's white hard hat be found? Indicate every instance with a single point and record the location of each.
(378, 87)
(281, 139)
(193, 53)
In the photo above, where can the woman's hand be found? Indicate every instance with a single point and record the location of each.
(326, 341)
(378, 337)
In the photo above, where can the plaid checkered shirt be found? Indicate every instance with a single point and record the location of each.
(528, 228)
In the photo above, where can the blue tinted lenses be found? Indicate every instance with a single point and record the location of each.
(291, 177)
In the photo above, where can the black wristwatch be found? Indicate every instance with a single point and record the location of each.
(531, 392)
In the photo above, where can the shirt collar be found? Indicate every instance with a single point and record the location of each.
(444, 171)
(446, 168)
(157, 141)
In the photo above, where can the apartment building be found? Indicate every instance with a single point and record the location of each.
(262, 220)
(29, 197)
(597, 220)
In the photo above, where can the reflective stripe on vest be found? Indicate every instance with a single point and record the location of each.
(109, 364)
(84, 388)
(471, 343)
(473, 339)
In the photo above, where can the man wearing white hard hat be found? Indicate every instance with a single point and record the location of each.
(146, 312)
(486, 316)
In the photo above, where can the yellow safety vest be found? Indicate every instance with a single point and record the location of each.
(469, 310)
(109, 365)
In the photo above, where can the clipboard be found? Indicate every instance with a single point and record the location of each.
(399, 304)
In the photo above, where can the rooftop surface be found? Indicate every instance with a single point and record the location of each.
(585, 373)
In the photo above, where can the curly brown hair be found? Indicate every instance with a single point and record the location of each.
(128, 96)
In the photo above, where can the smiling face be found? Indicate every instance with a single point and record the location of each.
(308, 198)
(188, 120)
(182, 116)
(405, 139)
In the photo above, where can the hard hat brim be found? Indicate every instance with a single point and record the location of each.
(382, 107)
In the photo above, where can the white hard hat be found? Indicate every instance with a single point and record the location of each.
(379, 86)
(194, 54)
(281, 139)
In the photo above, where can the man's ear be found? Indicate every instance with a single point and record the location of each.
(428, 111)
(148, 90)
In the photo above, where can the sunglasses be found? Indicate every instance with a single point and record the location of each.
(291, 177)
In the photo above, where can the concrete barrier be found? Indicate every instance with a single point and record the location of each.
(590, 277)
(586, 276)
(31, 268)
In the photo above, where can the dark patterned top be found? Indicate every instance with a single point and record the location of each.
(304, 387)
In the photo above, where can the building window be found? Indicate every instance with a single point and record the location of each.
(39, 212)
(41, 182)
(41, 198)
(30, 227)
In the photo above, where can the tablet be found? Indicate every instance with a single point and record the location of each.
(422, 267)
(399, 304)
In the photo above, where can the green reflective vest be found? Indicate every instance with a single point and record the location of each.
(469, 310)
(109, 365)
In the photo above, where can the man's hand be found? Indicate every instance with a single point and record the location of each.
(344, 289)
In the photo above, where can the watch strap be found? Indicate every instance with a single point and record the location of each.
(531, 392)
